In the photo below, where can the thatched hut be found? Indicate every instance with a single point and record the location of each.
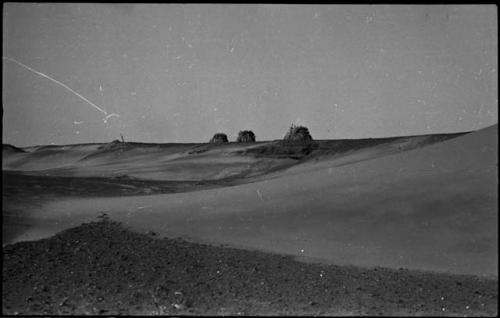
(219, 138)
(246, 136)
(298, 133)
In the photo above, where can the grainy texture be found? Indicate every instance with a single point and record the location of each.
(103, 268)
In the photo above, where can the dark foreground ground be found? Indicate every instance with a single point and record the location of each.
(104, 268)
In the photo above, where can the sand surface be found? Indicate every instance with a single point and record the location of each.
(398, 204)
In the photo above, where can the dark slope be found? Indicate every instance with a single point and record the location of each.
(102, 268)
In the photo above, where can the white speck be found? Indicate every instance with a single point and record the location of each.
(190, 66)
(78, 122)
(443, 309)
(133, 93)
(231, 50)
(178, 57)
(218, 272)
(215, 109)
(100, 88)
(77, 132)
(302, 251)
(442, 298)
(419, 72)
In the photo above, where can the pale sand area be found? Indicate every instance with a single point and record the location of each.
(431, 208)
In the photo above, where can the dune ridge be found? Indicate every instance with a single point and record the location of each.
(186, 161)
(424, 202)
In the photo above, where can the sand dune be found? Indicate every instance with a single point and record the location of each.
(195, 161)
(400, 203)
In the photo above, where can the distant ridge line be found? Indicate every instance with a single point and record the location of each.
(261, 141)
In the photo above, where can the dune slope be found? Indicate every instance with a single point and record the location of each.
(431, 208)
(189, 162)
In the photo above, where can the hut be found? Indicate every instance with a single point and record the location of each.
(298, 133)
(219, 138)
(246, 136)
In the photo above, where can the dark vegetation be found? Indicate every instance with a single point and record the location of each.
(104, 268)
(298, 133)
(246, 136)
(219, 138)
(296, 144)
(283, 149)
(302, 149)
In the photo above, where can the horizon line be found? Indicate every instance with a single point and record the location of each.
(258, 141)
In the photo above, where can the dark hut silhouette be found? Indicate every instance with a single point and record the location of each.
(246, 136)
(298, 133)
(219, 138)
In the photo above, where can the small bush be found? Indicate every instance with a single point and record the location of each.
(219, 138)
(246, 136)
(298, 133)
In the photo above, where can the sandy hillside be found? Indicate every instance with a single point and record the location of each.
(416, 202)
(137, 160)
(187, 162)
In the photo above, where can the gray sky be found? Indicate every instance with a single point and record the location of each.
(180, 73)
